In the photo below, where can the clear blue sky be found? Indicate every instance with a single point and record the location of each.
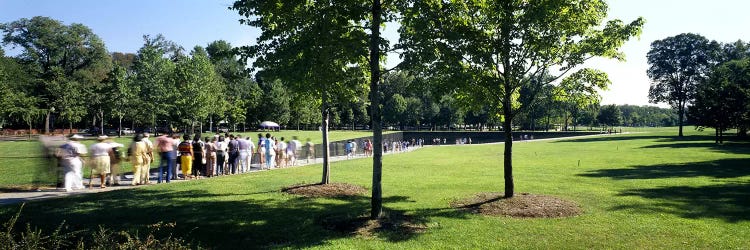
(121, 24)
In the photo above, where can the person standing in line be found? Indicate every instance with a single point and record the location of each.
(146, 171)
(100, 160)
(270, 151)
(177, 163)
(210, 156)
(348, 149)
(138, 154)
(250, 150)
(186, 156)
(115, 157)
(199, 154)
(260, 150)
(70, 155)
(289, 153)
(242, 146)
(309, 150)
(234, 154)
(165, 145)
(281, 153)
(354, 148)
(221, 155)
(297, 145)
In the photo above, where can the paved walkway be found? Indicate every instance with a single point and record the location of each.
(19, 197)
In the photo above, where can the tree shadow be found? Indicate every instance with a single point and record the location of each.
(658, 138)
(220, 221)
(724, 168)
(728, 147)
(729, 202)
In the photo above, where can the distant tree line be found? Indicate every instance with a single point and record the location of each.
(65, 76)
(707, 82)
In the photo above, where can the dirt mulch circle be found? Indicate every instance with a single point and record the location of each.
(325, 190)
(395, 226)
(522, 205)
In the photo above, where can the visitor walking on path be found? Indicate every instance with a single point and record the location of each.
(115, 157)
(138, 153)
(70, 155)
(100, 164)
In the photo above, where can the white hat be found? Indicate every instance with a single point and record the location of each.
(76, 137)
(102, 137)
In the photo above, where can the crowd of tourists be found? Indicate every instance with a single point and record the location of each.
(185, 157)
(228, 154)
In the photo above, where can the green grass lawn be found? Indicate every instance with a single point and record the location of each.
(642, 190)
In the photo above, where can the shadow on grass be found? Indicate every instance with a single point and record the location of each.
(725, 168)
(729, 202)
(223, 221)
(728, 147)
(658, 138)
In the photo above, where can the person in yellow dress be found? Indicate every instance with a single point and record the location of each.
(186, 156)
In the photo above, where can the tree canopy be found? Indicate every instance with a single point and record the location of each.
(486, 51)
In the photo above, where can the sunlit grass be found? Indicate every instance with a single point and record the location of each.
(638, 191)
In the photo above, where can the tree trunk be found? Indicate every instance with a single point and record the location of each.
(377, 130)
(681, 111)
(119, 134)
(507, 155)
(324, 129)
(46, 123)
(101, 120)
(716, 137)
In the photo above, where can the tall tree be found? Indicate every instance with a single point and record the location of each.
(677, 64)
(580, 90)
(314, 46)
(487, 51)
(609, 115)
(242, 97)
(153, 79)
(67, 61)
(196, 86)
(723, 99)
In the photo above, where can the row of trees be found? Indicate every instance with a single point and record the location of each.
(64, 72)
(706, 81)
(160, 85)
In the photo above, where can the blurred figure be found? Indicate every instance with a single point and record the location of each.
(70, 155)
(100, 162)
(115, 157)
(146, 167)
(138, 153)
(309, 150)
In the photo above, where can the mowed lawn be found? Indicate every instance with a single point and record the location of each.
(642, 191)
